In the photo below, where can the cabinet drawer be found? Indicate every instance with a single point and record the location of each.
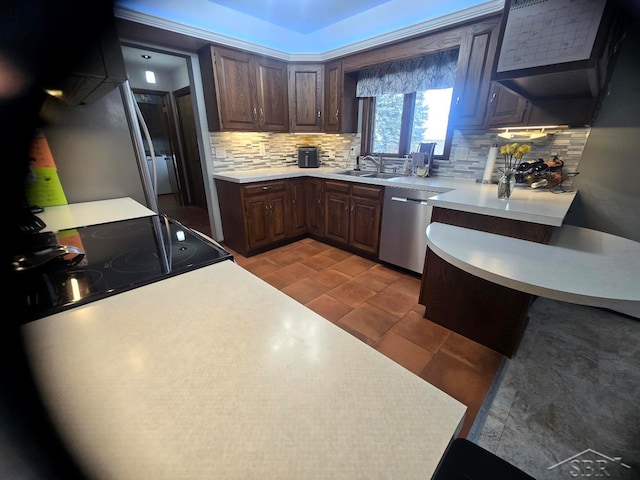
(367, 191)
(341, 187)
(263, 187)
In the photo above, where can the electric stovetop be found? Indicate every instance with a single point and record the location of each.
(115, 257)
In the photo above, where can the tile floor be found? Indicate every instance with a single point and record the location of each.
(379, 305)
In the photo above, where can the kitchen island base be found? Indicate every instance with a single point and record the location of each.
(490, 314)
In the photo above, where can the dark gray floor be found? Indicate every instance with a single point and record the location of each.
(572, 392)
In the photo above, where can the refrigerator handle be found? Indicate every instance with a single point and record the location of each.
(150, 185)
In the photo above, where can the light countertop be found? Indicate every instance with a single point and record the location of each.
(579, 265)
(90, 213)
(216, 374)
(526, 204)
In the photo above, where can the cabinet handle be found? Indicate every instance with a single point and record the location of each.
(346, 209)
(457, 100)
(255, 114)
(261, 114)
(351, 208)
(493, 97)
(318, 113)
(337, 114)
(266, 188)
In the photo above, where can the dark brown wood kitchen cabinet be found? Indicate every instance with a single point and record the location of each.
(254, 215)
(340, 102)
(297, 206)
(244, 91)
(506, 107)
(306, 97)
(266, 218)
(473, 76)
(314, 206)
(352, 215)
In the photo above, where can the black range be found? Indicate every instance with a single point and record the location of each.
(115, 257)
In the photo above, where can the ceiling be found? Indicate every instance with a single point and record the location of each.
(304, 30)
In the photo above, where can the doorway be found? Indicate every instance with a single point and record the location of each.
(168, 109)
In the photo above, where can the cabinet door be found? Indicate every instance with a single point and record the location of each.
(314, 196)
(256, 209)
(277, 216)
(305, 98)
(364, 227)
(337, 216)
(235, 85)
(506, 107)
(297, 207)
(273, 101)
(332, 96)
(471, 91)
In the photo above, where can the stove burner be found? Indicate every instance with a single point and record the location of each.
(143, 260)
(120, 256)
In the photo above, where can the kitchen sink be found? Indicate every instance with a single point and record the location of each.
(367, 174)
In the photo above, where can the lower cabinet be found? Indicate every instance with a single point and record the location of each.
(254, 215)
(488, 313)
(263, 215)
(352, 214)
(265, 218)
(296, 204)
(314, 206)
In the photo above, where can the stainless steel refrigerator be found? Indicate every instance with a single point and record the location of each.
(99, 150)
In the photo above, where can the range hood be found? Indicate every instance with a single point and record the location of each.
(556, 49)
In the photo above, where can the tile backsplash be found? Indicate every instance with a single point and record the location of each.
(249, 150)
(469, 151)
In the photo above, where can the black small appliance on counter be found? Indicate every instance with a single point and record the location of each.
(308, 157)
(116, 257)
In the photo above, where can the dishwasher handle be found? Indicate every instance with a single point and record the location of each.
(407, 199)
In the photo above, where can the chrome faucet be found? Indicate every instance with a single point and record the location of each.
(376, 161)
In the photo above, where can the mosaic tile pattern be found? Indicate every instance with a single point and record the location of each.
(250, 150)
(469, 152)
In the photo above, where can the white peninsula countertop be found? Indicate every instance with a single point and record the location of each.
(579, 265)
(216, 374)
(531, 205)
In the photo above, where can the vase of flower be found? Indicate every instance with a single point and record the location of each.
(513, 153)
(505, 185)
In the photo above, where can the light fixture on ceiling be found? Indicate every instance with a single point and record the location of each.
(148, 74)
(529, 133)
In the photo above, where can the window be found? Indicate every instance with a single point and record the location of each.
(407, 102)
(402, 121)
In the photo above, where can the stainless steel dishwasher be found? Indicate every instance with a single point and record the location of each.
(405, 216)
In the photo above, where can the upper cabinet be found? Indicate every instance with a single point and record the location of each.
(340, 102)
(244, 91)
(556, 53)
(306, 97)
(506, 108)
(473, 77)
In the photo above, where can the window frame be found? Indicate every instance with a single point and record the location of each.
(368, 118)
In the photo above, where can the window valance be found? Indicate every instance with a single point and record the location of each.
(432, 71)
